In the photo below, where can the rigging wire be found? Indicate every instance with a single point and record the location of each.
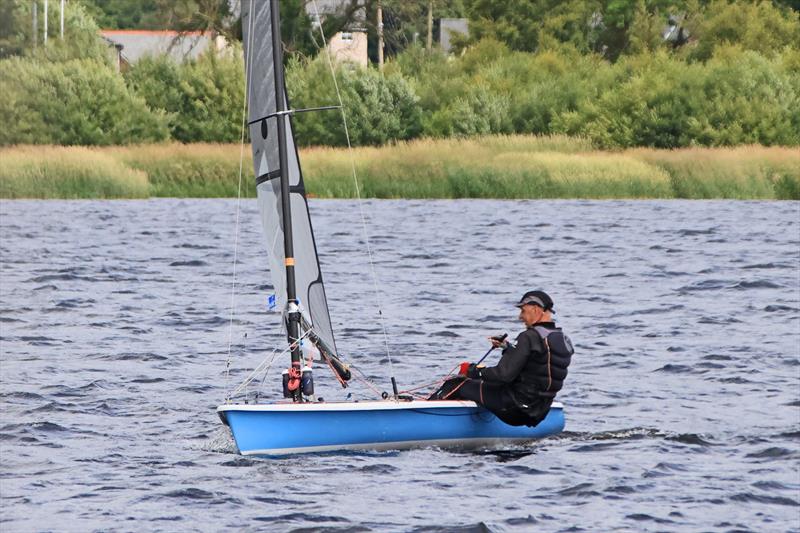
(265, 365)
(367, 381)
(239, 198)
(357, 188)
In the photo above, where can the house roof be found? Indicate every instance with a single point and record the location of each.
(139, 43)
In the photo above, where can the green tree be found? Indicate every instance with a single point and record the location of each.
(202, 99)
(78, 101)
(81, 39)
(608, 27)
(379, 108)
(660, 101)
(126, 14)
(13, 39)
(758, 26)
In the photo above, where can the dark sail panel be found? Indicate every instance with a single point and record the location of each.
(261, 102)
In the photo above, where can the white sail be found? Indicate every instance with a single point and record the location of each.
(261, 102)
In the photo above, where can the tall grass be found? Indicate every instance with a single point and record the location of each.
(481, 167)
(744, 172)
(552, 167)
(67, 172)
(484, 167)
(200, 170)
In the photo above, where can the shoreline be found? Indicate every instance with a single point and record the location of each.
(316, 198)
(494, 167)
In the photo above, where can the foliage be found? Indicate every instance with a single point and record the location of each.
(378, 108)
(214, 16)
(202, 98)
(651, 99)
(623, 27)
(123, 14)
(737, 98)
(598, 69)
(81, 40)
(66, 92)
(13, 39)
(532, 25)
(71, 102)
(182, 15)
(758, 26)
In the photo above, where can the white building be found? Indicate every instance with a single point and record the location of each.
(349, 45)
(448, 27)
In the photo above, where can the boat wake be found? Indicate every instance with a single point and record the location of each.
(637, 433)
(220, 441)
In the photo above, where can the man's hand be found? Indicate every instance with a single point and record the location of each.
(474, 371)
(499, 341)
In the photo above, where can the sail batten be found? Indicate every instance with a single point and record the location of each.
(262, 102)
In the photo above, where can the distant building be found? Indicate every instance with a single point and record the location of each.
(350, 44)
(448, 27)
(132, 45)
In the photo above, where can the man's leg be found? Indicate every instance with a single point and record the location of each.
(479, 391)
(498, 400)
(446, 391)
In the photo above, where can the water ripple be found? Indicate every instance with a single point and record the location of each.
(682, 406)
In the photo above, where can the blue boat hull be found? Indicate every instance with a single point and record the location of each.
(283, 429)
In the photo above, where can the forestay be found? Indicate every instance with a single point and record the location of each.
(261, 95)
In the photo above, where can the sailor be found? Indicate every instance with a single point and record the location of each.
(521, 387)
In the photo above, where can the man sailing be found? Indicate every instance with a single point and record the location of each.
(520, 388)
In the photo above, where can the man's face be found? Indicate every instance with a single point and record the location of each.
(530, 314)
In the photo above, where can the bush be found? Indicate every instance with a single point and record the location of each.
(660, 101)
(379, 108)
(201, 99)
(759, 26)
(81, 39)
(72, 102)
(479, 112)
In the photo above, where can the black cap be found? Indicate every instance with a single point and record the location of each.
(540, 298)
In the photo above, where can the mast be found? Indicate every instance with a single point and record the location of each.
(293, 311)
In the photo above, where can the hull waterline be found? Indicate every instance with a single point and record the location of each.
(288, 428)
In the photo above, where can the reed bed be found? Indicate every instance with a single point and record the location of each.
(743, 172)
(552, 167)
(67, 172)
(199, 170)
(485, 167)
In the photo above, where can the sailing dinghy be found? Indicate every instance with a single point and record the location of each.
(300, 424)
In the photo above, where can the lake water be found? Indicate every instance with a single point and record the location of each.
(682, 404)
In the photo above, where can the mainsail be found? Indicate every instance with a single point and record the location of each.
(262, 102)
